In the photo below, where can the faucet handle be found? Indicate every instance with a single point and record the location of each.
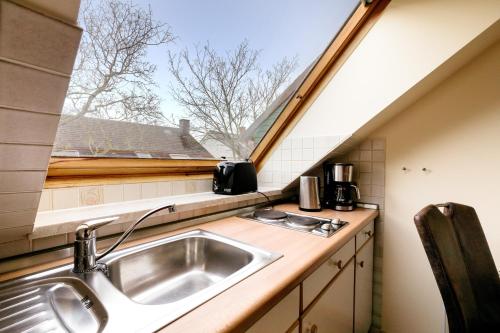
(86, 230)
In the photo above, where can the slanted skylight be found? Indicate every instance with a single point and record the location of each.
(167, 79)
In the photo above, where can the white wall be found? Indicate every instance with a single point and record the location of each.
(454, 131)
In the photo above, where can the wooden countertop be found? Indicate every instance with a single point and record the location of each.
(240, 306)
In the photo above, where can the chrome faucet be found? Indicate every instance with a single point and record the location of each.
(86, 258)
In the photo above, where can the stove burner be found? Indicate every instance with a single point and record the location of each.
(309, 224)
(300, 226)
(302, 222)
(270, 214)
(262, 219)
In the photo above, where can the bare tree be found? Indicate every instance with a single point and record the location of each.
(222, 94)
(112, 78)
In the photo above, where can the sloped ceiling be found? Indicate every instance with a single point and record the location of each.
(66, 10)
(37, 52)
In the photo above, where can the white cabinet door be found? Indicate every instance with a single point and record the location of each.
(363, 291)
(315, 282)
(281, 317)
(365, 234)
(333, 312)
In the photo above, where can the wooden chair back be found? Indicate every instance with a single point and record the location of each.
(463, 267)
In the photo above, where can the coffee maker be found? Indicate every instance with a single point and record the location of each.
(340, 191)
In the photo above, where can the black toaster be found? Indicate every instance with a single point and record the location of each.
(235, 177)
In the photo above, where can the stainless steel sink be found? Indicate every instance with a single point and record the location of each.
(57, 304)
(148, 286)
(168, 272)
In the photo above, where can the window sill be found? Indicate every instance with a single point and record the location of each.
(64, 222)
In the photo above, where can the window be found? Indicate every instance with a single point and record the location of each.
(189, 80)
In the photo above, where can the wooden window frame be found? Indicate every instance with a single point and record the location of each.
(71, 171)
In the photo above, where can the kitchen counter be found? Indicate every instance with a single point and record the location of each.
(240, 306)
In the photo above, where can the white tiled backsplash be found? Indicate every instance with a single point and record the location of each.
(296, 156)
(73, 197)
(293, 157)
(368, 159)
(369, 172)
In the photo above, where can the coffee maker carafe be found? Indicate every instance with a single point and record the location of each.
(341, 192)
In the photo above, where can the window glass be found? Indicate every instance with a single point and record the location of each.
(197, 79)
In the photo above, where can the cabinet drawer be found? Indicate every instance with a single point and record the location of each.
(313, 284)
(333, 310)
(281, 317)
(364, 235)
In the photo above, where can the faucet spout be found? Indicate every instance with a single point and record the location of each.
(170, 208)
(85, 253)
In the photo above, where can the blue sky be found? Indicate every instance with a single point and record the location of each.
(277, 28)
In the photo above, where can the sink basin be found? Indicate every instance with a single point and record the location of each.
(175, 270)
(52, 305)
(147, 286)
(181, 267)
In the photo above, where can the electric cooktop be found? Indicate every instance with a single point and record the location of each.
(305, 223)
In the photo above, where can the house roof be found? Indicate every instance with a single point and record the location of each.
(85, 136)
(214, 135)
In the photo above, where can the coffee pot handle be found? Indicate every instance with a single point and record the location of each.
(358, 195)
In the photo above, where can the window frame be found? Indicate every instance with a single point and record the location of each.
(74, 171)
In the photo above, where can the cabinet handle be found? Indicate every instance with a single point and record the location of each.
(368, 233)
(361, 264)
(337, 263)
